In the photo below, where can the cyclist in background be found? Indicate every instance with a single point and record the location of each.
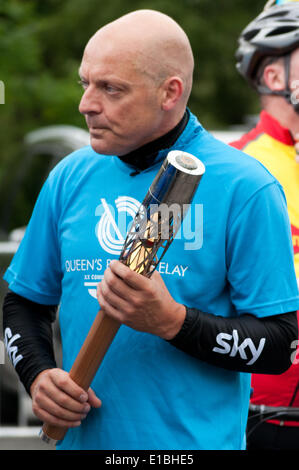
(268, 58)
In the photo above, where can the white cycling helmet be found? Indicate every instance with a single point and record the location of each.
(274, 33)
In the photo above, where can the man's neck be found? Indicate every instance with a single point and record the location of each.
(145, 156)
(284, 113)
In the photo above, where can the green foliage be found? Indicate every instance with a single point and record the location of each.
(41, 45)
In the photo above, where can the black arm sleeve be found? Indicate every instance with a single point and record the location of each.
(28, 336)
(244, 344)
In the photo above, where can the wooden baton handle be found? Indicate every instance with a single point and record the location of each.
(87, 362)
(93, 350)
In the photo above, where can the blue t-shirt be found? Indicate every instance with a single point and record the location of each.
(233, 255)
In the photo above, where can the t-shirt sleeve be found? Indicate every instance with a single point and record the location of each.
(260, 256)
(35, 271)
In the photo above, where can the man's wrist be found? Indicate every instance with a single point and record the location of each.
(179, 315)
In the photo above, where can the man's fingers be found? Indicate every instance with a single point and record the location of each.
(43, 403)
(107, 307)
(62, 399)
(116, 284)
(47, 417)
(63, 382)
(131, 278)
(108, 296)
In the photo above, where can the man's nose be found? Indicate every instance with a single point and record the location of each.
(90, 102)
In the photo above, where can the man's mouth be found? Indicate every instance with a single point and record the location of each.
(97, 130)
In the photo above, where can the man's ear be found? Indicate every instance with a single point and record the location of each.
(172, 90)
(274, 76)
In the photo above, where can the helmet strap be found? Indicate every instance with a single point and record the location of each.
(286, 93)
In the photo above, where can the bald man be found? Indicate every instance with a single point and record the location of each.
(153, 75)
(177, 375)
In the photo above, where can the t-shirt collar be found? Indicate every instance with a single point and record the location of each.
(273, 127)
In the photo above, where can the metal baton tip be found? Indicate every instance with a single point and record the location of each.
(186, 161)
(46, 439)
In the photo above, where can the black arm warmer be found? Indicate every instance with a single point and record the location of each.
(28, 336)
(244, 344)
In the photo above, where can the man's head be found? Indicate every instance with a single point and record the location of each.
(137, 77)
(267, 55)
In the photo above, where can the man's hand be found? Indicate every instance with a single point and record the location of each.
(58, 400)
(138, 302)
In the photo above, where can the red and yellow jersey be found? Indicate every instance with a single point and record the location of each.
(273, 146)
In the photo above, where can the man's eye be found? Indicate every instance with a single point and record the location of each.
(83, 83)
(112, 90)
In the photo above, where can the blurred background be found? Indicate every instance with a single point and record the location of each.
(41, 45)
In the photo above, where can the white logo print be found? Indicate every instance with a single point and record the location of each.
(110, 232)
(114, 220)
(12, 350)
(226, 348)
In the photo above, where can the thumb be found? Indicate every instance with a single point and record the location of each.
(93, 400)
(156, 276)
